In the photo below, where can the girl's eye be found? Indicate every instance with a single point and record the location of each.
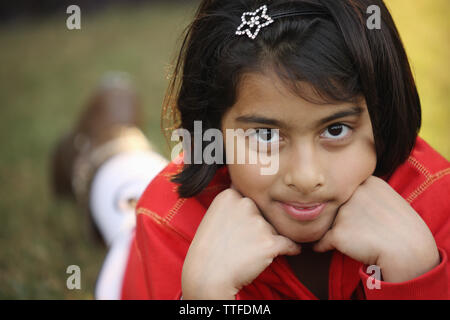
(336, 132)
(266, 135)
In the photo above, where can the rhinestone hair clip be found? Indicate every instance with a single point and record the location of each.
(258, 19)
(254, 21)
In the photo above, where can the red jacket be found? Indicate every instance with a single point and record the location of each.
(166, 225)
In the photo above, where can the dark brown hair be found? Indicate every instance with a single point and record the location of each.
(332, 50)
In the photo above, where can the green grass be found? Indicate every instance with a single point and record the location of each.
(47, 75)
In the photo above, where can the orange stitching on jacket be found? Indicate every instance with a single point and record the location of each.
(416, 164)
(160, 221)
(177, 170)
(175, 208)
(168, 177)
(424, 186)
(151, 214)
(169, 174)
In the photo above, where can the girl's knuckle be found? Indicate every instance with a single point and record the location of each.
(269, 244)
(248, 204)
(227, 194)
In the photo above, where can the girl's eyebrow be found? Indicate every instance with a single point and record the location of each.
(353, 111)
(253, 118)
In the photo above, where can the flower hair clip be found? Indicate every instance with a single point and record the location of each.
(258, 19)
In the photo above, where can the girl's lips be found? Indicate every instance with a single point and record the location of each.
(303, 212)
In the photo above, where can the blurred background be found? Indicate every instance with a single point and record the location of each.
(47, 75)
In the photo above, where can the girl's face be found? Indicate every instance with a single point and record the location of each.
(325, 152)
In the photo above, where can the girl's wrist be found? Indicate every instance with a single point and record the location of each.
(406, 265)
(207, 290)
(213, 293)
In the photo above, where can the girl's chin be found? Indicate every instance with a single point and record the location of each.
(305, 237)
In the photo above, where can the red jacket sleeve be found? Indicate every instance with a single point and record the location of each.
(134, 286)
(163, 252)
(432, 285)
(433, 205)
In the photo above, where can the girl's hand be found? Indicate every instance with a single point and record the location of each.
(232, 246)
(376, 226)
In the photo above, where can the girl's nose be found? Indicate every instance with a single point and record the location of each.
(304, 173)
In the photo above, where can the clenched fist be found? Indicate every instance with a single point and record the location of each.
(232, 246)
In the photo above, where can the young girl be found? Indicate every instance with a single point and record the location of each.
(356, 192)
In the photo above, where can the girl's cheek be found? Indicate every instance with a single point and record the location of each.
(248, 179)
(353, 168)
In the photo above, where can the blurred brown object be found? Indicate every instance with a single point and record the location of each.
(109, 125)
